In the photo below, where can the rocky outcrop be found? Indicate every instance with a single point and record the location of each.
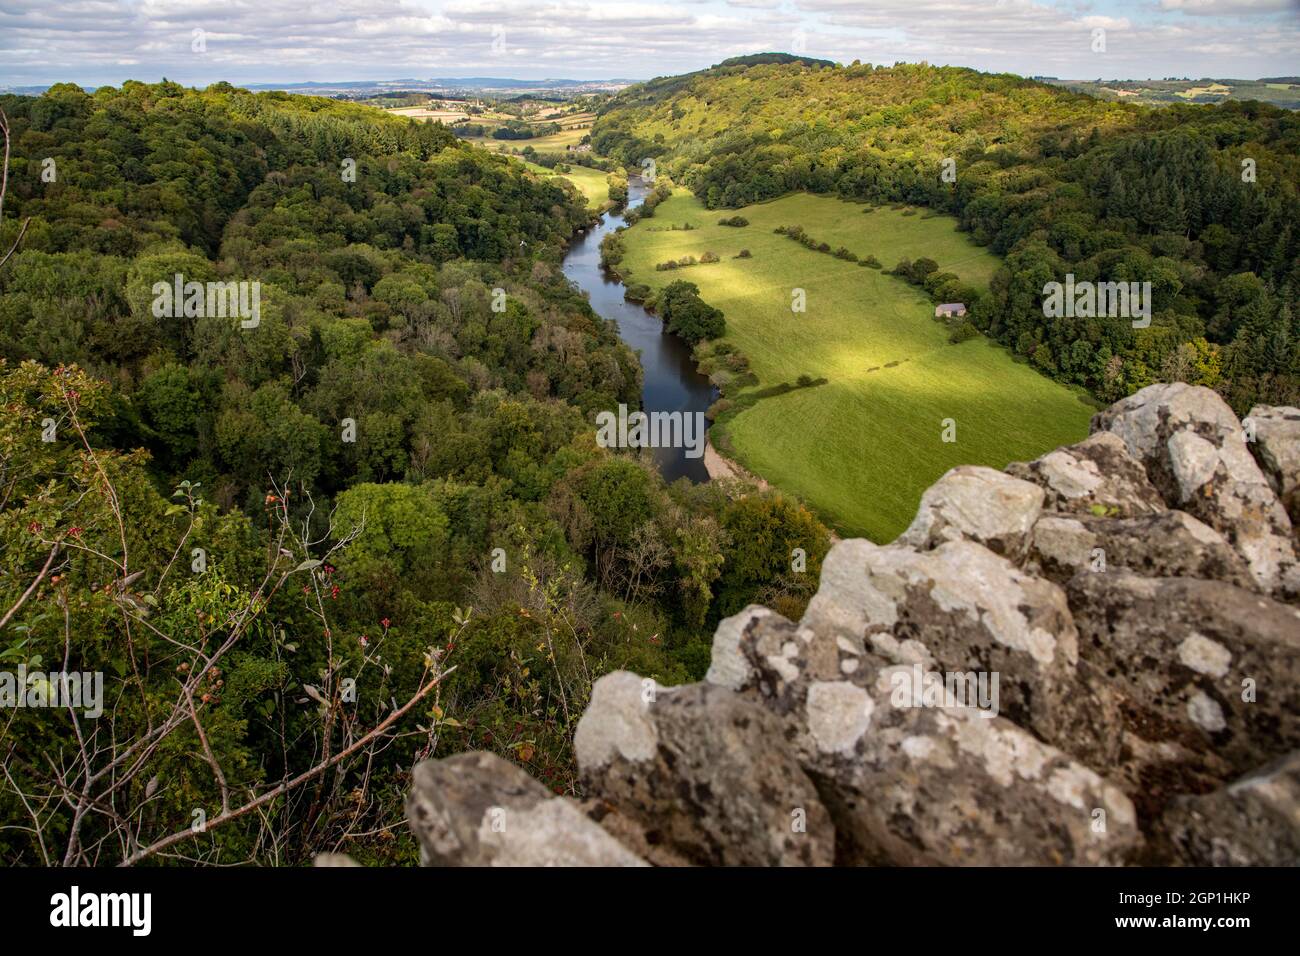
(1163, 544)
(957, 609)
(1092, 659)
(1195, 453)
(976, 504)
(1208, 674)
(1273, 435)
(475, 809)
(1096, 477)
(704, 772)
(1254, 821)
(908, 778)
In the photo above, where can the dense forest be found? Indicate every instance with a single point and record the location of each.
(371, 527)
(1200, 201)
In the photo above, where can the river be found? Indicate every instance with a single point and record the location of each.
(670, 383)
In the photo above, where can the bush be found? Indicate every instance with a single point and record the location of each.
(962, 332)
(743, 254)
(709, 257)
(737, 221)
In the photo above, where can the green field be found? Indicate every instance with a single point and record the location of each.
(592, 183)
(861, 448)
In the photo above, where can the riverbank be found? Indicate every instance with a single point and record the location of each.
(670, 380)
(721, 468)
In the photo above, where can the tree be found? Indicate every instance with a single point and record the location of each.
(776, 547)
(687, 315)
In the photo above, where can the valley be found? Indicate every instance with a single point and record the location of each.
(860, 448)
(379, 547)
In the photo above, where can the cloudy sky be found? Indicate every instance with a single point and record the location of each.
(94, 42)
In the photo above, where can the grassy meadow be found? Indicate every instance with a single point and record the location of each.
(861, 448)
(592, 183)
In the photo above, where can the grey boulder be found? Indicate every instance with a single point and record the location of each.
(1194, 451)
(475, 809)
(703, 772)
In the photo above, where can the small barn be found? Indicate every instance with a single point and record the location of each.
(949, 309)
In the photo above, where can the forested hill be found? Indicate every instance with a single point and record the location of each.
(1199, 200)
(372, 524)
(376, 241)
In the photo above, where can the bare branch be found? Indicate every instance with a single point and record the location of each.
(288, 785)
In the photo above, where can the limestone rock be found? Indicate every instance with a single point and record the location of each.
(1252, 822)
(1097, 476)
(1163, 544)
(977, 504)
(333, 859)
(1277, 449)
(475, 809)
(1211, 668)
(922, 785)
(1194, 452)
(962, 608)
(632, 834)
(703, 771)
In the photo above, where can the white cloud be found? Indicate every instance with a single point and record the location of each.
(106, 41)
(1228, 8)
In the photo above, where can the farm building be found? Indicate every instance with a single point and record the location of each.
(949, 308)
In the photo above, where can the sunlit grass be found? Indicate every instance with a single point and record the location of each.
(862, 448)
(592, 183)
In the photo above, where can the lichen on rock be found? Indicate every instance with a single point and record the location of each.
(1126, 608)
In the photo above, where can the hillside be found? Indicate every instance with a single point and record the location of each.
(353, 516)
(1201, 201)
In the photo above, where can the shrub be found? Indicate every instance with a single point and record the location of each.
(709, 257)
(743, 254)
(962, 332)
(737, 221)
